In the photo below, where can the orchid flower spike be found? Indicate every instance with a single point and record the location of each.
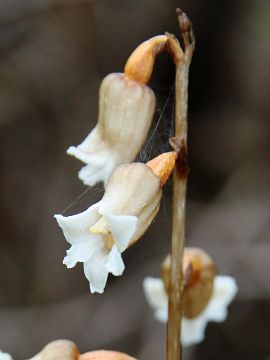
(101, 233)
(126, 108)
(205, 296)
(5, 356)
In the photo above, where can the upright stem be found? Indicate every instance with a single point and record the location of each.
(182, 62)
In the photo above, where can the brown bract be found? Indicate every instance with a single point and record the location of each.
(105, 355)
(139, 65)
(163, 165)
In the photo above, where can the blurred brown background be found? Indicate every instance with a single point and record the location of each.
(54, 55)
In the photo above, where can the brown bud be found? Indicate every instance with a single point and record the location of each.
(199, 272)
(140, 64)
(105, 355)
(163, 165)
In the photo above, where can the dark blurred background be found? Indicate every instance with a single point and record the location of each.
(54, 55)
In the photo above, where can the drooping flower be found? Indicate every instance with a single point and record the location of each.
(126, 108)
(101, 233)
(205, 296)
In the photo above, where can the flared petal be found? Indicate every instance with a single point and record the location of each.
(225, 289)
(156, 297)
(115, 264)
(5, 356)
(76, 227)
(122, 228)
(91, 174)
(96, 272)
(88, 149)
(193, 330)
(82, 252)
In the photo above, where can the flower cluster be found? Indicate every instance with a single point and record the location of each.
(99, 235)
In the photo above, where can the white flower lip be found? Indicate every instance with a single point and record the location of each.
(91, 249)
(225, 289)
(5, 356)
(126, 110)
(100, 234)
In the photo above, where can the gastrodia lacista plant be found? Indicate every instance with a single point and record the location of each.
(126, 108)
(206, 296)
(101, 233)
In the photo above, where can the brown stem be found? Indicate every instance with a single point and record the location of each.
(182, 61)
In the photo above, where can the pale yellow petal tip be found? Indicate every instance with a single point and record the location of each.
(163, 165)
(139, 66)
(100, 227)
(105, 355)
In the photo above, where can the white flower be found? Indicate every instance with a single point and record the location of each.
(224, 291)
(100, 234)
(5, 356)
(126, 109)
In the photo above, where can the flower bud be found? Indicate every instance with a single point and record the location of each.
(105, 355)
(58, 350)
(101, 233)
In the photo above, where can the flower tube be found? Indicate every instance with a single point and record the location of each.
(205, 295)
(126, 108)
(101, 233)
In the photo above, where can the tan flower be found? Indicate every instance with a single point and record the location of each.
(205, 295)
(126, 108)
(100, 234)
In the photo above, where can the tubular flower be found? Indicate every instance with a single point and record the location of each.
(205, 296)
(126, 108)
(100, 234)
